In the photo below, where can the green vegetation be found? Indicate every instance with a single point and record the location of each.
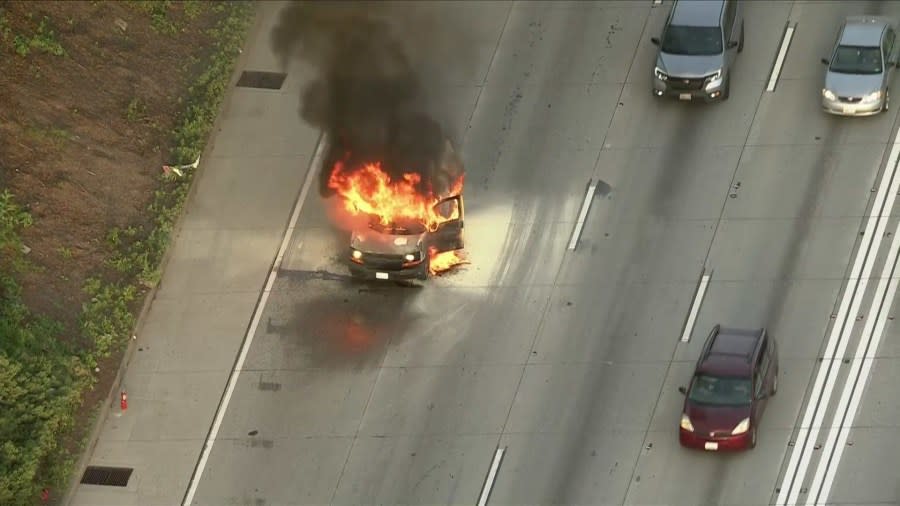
(41, 378)
(53, 137)
(44, 40)
(136, 110)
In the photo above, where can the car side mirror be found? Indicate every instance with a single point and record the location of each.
(654, 40)
(824, 61)
(682, 390)
(732, 44)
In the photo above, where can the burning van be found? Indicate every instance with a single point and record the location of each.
(409, 230)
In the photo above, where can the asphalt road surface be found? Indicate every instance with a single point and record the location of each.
(570, 360)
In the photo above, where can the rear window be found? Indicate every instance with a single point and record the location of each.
(720, 391)
(692, 40)
(857, 60)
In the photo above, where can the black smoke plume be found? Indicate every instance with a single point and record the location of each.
(375, 69)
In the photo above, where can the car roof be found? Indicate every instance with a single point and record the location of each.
(863, 31)
(697, 12)
(731, 352)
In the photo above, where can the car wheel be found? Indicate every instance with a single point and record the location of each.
(727, 91)
(753, 438)
(775, 384)
(741, 43)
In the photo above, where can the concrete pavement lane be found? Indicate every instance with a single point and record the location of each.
(565, 359)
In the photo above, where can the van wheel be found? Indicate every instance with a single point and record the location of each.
(741, 43)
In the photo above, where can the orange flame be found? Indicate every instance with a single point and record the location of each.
(368, 190)
(443, 262)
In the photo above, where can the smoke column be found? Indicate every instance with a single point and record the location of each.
(375, 67)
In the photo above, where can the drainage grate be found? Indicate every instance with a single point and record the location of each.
(258, 79)
(110, 476)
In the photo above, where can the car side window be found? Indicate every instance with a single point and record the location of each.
(729, 20)
(762, 368)
(448, 209)
(889, 43)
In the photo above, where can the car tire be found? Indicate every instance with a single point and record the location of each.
(727, 91)
(753, 438)
(741, 43)
(775, 384)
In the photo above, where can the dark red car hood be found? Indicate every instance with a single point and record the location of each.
(706, 418)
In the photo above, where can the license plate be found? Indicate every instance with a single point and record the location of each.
(381, 275)
(848, 109)
(711, 446)
(684, 96)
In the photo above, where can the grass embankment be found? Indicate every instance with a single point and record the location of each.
(43, 378)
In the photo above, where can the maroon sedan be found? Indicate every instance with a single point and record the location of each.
(736, 374)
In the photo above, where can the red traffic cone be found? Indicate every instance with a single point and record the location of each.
(123, 403)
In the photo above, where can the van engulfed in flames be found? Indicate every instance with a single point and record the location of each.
(412, 232)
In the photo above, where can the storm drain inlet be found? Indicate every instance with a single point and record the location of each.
(108, 476)
(259, 79)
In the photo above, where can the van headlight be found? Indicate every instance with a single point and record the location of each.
(828, 94)
(872, 97)
(742, 427)
(686, 423)
(660, 74)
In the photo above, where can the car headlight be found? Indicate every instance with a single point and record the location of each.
(828, 94)
(714, 81)
(357, 254)
(686, 423)
(410, 257)
(872, 97)
(660, 74)
(741, 427)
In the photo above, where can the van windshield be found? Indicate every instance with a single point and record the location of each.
(720, 391)
(692, 40)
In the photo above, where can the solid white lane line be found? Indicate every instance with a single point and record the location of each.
(856, 286)
(251, 331)
(782, 54)
(582, 216)
(867, 363)
(855, 382)
(491, 476)
(695, 308)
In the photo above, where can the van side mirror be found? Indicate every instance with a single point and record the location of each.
(682, 390)
(825, 61)
(732, 44)
(654, 40)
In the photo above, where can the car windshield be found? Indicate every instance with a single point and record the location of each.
(692, 40)
(397, 227)
(856, 60)
(720, 391)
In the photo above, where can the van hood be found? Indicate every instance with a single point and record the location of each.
(693, 66)
(370, 241)
(707, 419)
